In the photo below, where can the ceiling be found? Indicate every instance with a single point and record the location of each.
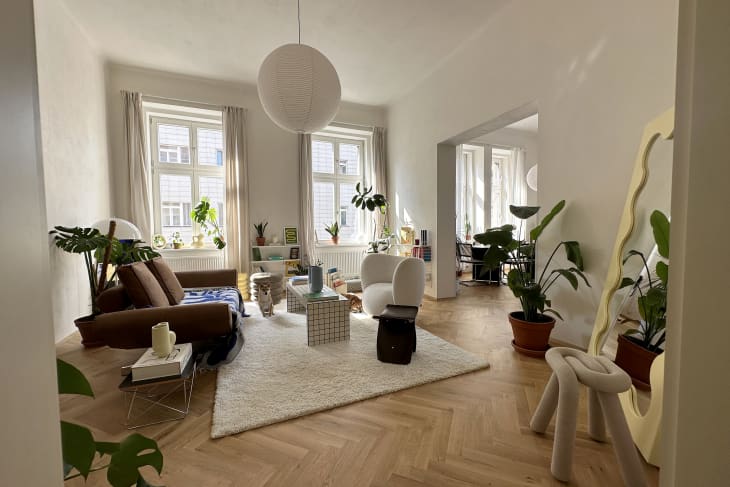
(380, 48)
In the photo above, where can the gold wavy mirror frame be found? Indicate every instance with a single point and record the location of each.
(645, 428)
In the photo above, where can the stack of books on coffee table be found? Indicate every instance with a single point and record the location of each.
(150, 366)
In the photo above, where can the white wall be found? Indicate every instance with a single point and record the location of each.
(598, 71)
(696, 424)
(517, 138)
(30, 453)
(272, 152)
(75, 151)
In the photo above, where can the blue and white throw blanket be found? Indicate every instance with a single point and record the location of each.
(229, 295)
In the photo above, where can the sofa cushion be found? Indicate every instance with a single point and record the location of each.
(142, 286)
(167, 279)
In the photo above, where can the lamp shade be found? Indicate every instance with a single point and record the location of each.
(299, 88)
(532, 178)
(125, 230)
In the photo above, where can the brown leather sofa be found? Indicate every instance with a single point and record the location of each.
(120, 326)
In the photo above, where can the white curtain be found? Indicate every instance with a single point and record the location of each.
(515, 187)
(140, 208)
(237, 226)
(380, 154)
(459, 193)
(306, 209)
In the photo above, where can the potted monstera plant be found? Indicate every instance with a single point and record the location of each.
(533, 324)
(638, 347)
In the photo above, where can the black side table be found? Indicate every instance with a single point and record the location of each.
(397, 334)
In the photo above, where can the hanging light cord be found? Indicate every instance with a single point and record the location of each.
(299, 22)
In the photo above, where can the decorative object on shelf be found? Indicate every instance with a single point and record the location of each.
(638, 347)
(275, 240)
(207, 217)
(291, 235)
(256, 254)
(294, 253)
(334, 231)
(177, 241)
(159, 242)
(531, 326)
(80, 448)
(531, 178)
(162, 339)
(298, 87)
(316, 278)
(364, 200)
(99, 249)
(407, 235)
(260, 229)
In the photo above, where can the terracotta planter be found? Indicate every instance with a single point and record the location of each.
(336, 240)
(635, 360)
(90, 336)
(260, 241)
(531, 338)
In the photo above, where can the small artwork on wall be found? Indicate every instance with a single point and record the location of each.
(291, 235)
(294, 253)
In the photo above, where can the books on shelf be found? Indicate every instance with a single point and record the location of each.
(299, 280)
(324, 295)
(150, 366)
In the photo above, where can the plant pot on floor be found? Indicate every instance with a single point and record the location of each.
(260, 241)
(531, 338)
(635, 360)
(90, 335)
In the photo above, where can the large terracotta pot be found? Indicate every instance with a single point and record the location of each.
(90, 336)
(531, 338)
(635, 360)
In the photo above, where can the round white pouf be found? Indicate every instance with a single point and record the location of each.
(299, 88)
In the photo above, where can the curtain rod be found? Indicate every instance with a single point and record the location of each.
(353, 125)
(154, 98)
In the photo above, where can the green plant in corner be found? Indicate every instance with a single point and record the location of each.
(531, 292)
(652, 301)
(81, 450)
(365, 199)
(206, 216)
(92, 244)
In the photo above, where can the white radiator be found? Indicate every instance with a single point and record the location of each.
(194, 260)
(347, 259)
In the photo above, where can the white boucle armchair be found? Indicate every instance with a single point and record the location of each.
(389, 279)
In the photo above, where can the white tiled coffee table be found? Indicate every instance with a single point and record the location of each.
(327, 321)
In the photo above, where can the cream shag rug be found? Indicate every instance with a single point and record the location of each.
(278, 377)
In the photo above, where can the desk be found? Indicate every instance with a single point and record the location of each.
(491, 276)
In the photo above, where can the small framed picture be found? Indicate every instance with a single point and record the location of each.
(294, 253)
(291, 235)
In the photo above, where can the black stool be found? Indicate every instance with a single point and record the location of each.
(397, 334)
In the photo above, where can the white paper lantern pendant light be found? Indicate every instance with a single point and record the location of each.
(298, 87)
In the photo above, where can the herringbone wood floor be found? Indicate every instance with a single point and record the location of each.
(463, 431)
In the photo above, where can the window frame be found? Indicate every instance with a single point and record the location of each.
(363, 225)
(194, 169)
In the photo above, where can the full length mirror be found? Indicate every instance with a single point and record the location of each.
(630, 315)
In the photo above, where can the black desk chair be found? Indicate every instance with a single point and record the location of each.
(468, 254)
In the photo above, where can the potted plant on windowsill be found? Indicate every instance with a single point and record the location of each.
(638, 347)
(334, 231)
(260, 229)
(207, 217)
(365, 199)
(531, 326)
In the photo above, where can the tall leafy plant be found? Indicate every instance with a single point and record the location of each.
(82, 454)
(652, 301)
(521, 279)
(92, 244)
(206, 216)
(366, 200)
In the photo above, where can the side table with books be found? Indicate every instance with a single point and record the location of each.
(158, 389)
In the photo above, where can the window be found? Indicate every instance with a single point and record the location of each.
(500, 161)
(187, 165)
(337, 167)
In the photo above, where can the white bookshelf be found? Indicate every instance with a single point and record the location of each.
(265, 261)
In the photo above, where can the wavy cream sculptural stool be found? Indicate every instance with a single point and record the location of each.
(605, 381)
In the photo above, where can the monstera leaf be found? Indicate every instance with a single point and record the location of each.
(77, 240)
